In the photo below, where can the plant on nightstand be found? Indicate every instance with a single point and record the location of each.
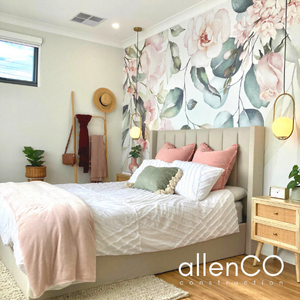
(134, 154)
(35, 170)
(295, 184)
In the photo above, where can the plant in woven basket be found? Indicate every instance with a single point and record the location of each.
(34, 156)
(294, 173)
(135, 151)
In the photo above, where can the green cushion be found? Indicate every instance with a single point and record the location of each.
(158, 180)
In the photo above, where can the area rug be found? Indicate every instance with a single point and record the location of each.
(143, 288)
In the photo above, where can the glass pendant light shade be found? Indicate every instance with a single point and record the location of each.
(135, 131)
(283, 127)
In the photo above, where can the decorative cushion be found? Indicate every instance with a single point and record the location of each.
(145, 163)
(169, 153)
(239, 193)
(197, 180)
(224, 159)
(158, 180)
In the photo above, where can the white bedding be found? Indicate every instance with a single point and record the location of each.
(132, 221)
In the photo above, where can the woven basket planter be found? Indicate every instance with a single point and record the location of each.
(35, 172)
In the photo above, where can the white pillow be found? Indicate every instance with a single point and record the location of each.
(146, 163)
(197, 180)
(239, 193)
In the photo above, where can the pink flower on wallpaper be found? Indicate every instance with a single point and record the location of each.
(132, 71)
(150, 107)
(156, 41)
(143, 143)
(267, 17)
(204, 37)
(242, 30)
(166, 124)
(293, 12)
(269, 76)
(152, 61)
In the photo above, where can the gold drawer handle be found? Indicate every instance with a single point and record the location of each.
(275, 213)
(275, 233)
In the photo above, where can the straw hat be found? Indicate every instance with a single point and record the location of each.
(104, 100)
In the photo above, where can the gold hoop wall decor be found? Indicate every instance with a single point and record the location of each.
(283, 127)
(135, 131)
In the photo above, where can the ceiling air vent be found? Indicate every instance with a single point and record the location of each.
(87, 19)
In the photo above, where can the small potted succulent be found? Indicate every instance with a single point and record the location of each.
(134, 154)
(35, 170)
(295, 183)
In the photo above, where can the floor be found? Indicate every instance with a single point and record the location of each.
(242, 287)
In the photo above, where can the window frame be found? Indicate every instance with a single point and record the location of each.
(25, 40)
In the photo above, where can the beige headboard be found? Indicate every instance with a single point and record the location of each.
(248, 170)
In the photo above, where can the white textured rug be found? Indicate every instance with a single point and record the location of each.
(143, 288)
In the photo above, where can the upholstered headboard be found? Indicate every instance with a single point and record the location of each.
(248, 170)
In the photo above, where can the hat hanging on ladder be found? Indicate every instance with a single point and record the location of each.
(105, 100)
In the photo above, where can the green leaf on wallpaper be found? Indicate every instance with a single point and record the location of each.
(126, 119)
(130, 52)
(176, 30)
(298, 74)
(201, 82)
(173, 57)
(252, 89)
(124, 134)
(185, 127)
(226, 68)
(213, 100)
(125, 108)
(191, 104)
(250, 117)
(241, 6)
(224, 119)
(172, 104)
(161, 95)
(139, 104)
(292, 54)
(139, 77)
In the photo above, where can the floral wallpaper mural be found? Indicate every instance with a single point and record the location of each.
(223, 68)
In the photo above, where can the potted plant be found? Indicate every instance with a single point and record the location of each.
(134, 154)
(35, 170)
(295, 184)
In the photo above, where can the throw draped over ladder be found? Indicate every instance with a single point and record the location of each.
(84, 160)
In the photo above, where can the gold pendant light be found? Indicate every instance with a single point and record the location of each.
(283, 127)
(135, 131)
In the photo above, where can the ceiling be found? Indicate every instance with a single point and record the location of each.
(56, 15)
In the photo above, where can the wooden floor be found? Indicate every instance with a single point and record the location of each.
(242, 287)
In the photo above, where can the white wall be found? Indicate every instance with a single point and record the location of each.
(41, 116)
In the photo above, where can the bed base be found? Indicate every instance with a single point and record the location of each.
(118, 268)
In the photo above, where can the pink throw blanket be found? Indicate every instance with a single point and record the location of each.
(56, 234)
(98, 159)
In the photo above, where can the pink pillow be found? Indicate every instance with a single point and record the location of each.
(224, 159)
(169, 153)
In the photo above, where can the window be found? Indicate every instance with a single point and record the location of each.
(19, 57)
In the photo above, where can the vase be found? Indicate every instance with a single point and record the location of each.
(133, 164)
(296, 193)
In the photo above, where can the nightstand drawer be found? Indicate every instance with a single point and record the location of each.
(276, 234)
(276, 213)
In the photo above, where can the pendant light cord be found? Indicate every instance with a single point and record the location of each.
(285, 30)
(137, 63)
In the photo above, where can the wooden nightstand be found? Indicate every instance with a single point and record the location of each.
(277, 222)
(122, 177)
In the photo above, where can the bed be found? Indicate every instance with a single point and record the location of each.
(247, 173)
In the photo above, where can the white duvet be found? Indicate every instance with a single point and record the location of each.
(132, 221)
